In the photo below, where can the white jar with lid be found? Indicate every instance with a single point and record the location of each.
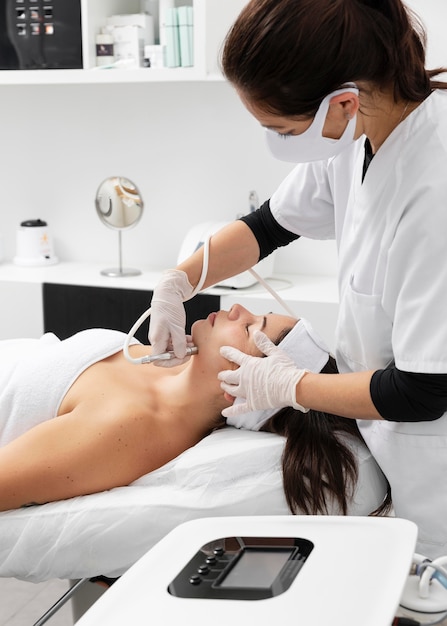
(34, 244)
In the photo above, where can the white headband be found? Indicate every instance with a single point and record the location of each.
(307, 350)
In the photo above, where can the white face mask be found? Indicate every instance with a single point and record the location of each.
(311, 145)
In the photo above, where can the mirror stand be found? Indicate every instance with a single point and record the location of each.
(116, 272)
(119, 206)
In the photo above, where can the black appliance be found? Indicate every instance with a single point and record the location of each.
(37, 34)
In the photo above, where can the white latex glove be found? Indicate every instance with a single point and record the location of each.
(265, 383)
(168, 317)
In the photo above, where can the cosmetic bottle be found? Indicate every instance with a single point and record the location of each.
(104, 49)
(172, 38)
(163, 7)
(186, 34)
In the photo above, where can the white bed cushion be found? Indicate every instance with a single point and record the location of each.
(230, 472)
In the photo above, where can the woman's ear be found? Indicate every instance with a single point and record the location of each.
(348, 102)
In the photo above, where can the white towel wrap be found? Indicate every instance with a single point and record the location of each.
(307, 350)
(35, 375)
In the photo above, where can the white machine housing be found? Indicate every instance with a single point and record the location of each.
(34, 244)
(354, 575)
(198, 234)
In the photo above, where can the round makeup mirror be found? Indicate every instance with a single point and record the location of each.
(119, 206)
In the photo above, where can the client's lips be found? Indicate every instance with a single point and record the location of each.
(211, 318)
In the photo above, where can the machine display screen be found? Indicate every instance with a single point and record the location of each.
(256, 568)
(242, 568)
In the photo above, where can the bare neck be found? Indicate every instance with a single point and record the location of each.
(186, 390)
(380, 115)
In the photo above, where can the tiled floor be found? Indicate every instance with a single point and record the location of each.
(22, 603)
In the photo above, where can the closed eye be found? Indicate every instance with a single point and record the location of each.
(284, 135)
(263, 324)
(281, 131)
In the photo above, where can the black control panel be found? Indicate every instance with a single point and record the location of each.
(242, 568)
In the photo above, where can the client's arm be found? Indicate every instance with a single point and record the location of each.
(84, 451)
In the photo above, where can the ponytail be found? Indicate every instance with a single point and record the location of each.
(319, 467)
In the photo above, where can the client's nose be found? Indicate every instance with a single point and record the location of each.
(236, 311)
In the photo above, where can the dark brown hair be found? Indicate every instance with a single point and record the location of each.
(287, 55)
(318, 464)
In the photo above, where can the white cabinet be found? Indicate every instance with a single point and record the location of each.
(22, 288)
(212, 19)
(22, 311)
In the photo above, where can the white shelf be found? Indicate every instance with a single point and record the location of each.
(212, 19)
(84, 274)
(292, 287)
(79, 77)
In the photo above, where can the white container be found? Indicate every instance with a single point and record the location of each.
(34, 244)
(104, 49)
(128, 45)
(144, 21)
(153, 56)
(151, 7)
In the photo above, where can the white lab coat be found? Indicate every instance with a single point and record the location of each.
(391, 234)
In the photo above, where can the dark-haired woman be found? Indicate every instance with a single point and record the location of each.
(342, 89)
(77, 418)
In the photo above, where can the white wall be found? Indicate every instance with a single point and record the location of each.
(433, 14)
(191, 148)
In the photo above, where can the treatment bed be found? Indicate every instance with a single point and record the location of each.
(230, 472)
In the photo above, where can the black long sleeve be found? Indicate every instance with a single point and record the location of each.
(409, 397)
(269, 234)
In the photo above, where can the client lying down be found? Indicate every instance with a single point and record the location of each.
(117, 421)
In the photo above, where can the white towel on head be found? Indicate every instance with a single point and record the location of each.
(307, 350)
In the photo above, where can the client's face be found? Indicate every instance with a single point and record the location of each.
(235, 328)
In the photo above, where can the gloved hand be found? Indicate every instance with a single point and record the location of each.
(265, 383)
(168, 317)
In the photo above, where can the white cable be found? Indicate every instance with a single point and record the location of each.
(205, 263)
(272, 292)
(428, 574)
(130, 336)
(148, 358)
